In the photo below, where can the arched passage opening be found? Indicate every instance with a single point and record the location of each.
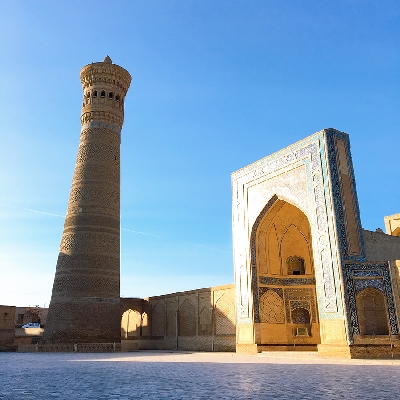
(131, 322)
(283, 279)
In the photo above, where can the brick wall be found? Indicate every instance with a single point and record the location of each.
(6, 327)
(381, 247)
(197, 320)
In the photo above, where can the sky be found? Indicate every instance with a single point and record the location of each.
(216, 85)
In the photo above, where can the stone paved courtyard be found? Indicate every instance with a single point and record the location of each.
(164, 375)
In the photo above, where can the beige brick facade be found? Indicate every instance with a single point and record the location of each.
(7, 327)
(84, 306)
(198, 320)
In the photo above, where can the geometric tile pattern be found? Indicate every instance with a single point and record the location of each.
(271, 308)
(271, 299)
(302, 298)
(265, 280)
(278, 291)
(359, 276)
(338, 198)
(311, 153)
(361, 284)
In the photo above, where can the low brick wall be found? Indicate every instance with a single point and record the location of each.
(375, 351)
(75, 348)
(129, 346)
(6, 339)
(27, 348)
(189, 343)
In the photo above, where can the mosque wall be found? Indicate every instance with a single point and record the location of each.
(6, 327)
(380, 246)
(197, 320)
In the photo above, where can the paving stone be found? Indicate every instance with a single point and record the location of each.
(163, 375)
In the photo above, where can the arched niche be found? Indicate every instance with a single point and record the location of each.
(158, 319)
(372, 312)
(187, 319)
(282, 237)
(300, 315)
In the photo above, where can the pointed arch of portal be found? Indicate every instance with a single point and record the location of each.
(292, 246)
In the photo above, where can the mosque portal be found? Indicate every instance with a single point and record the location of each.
(307, 276)
(284, 278)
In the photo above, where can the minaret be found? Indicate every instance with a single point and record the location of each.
(84, 305)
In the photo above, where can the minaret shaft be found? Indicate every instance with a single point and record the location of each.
(84, 306)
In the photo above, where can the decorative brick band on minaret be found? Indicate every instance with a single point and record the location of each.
(84, 306)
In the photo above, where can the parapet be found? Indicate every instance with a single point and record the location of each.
(105, 73)
(104, 86)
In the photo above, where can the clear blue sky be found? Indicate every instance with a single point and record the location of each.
(216, 85)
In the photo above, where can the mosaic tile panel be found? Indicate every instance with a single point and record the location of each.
(310, 152)
(320, 229)
(272, 308)
(278, 291)
(338, 198)
(299, 304)
(378, 277)
(361, 284)
(266, 280)
(300, 296)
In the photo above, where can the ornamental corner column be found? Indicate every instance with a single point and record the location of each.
(84, 306)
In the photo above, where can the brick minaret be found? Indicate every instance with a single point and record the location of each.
(84, 305)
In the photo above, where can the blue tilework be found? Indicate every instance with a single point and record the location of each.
(337, 196)
(380, 279)
(266, 280)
